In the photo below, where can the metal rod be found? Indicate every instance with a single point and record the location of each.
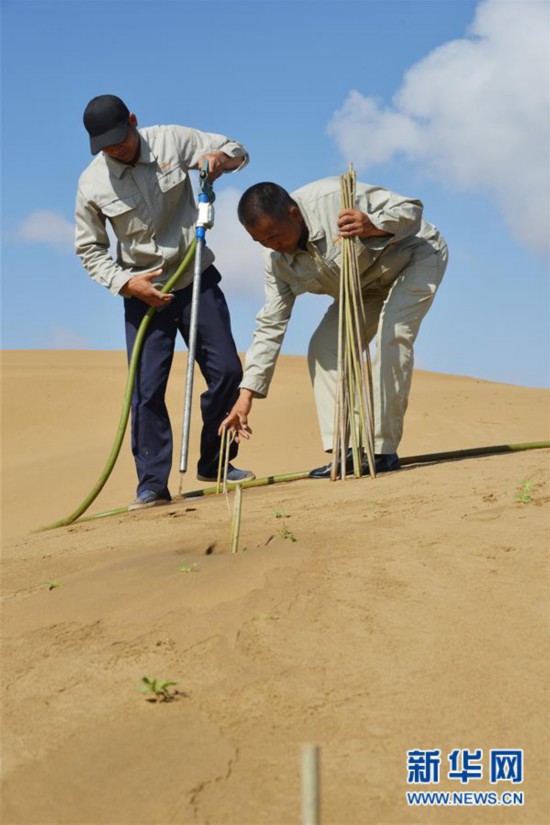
(191, 357)
(205, 220)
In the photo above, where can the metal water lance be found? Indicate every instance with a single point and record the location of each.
(205, 221)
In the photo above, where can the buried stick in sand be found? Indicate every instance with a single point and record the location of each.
(236, 519)
(311, 800)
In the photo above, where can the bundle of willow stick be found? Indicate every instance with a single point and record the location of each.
(353, 411)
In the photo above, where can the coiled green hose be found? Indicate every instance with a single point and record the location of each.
(132, 368)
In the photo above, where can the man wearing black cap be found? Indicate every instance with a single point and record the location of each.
(139, 182)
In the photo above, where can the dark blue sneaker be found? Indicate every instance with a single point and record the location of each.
(148, 499)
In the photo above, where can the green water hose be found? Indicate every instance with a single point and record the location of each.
(132, 368)
(427, 458)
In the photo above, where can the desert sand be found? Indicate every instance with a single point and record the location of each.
(410, 611)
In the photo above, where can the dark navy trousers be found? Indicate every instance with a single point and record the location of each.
(217, 357)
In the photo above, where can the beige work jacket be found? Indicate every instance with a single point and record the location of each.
(150, 206)
(317, 269)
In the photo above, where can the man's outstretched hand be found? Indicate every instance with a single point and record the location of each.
(237, 420)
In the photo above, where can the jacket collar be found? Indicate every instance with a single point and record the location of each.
(314, 228)
(145, 156)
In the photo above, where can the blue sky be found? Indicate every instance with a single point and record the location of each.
(445, 100)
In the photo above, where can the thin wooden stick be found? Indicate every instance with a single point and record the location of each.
(364, 408)
(236, 520)
(311, 799)
(366, 366)
(228, 443)
(221, 462)
(339, 397)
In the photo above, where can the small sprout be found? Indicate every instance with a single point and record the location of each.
(188, 568)
(281, 514)
(524, 492)
(51, 584)
(285, 533)
(262, 617)
(158, 691)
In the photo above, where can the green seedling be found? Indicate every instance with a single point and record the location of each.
(281, 514)
(51, 584)
(188, 568)
(524, 491)
(263, 617)
(285, 533)
(157, 691)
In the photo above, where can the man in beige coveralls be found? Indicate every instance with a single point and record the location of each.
(402, 259)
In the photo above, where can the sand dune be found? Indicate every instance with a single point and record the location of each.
(410, 612)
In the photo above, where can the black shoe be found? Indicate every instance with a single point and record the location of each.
(234, 476)
(383, 463)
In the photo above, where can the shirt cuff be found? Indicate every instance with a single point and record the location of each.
(257, 385)
(119, 282)
(244, 161)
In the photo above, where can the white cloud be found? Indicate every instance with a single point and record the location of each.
(47, 226)
(238, 257)
(61, 338)
(474, 114)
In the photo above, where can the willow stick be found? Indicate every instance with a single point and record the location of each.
(338, 400)
(310, 785)
(352, 370)
(366, 418)
(220, 462)
(364, 405)
(347, 380)
(367, 372)
(236, 520)
(228, 443)
(357, 363)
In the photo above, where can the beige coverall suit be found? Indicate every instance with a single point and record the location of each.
(400, 275)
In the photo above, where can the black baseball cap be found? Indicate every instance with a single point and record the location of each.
(106, 120)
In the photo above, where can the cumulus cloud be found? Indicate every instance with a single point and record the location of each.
(238, 257)
(474, 114)
(49, 227)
